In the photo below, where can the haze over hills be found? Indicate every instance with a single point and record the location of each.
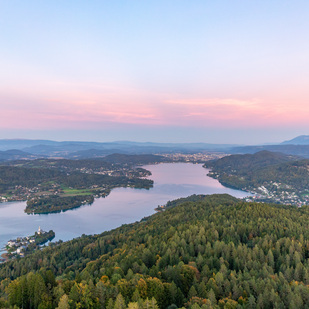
(296, 150)
(298, 146)
(15, 154)
(79, 149)
(6, 144)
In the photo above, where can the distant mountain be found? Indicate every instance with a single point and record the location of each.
(65, 148)
(176, 145)
(134, 159)
(84, 150)
(6, 144)
(299, 140)
(15, 154)
(296, 150)
(92, 153)
(79, 149)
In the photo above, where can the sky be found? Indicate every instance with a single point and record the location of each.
(162, 71)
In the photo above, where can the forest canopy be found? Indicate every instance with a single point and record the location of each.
(205, 252)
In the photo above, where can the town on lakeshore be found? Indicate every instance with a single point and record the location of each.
(22, 246)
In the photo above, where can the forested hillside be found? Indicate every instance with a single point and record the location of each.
(207, 252)
(278, 177)
(249, 162)
(103, 163)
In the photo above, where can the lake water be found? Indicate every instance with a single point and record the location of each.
(123, 205)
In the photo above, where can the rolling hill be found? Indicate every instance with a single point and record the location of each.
(276, 177)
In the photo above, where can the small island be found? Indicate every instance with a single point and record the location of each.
(22, 246)
(54, 203)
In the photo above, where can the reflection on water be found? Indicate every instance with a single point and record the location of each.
(123, 205)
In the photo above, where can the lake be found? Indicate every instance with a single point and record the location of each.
(123, 205)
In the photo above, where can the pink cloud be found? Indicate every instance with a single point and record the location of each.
(93, 106)
(239, 112)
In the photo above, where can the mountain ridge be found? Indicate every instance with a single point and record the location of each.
(299, 140)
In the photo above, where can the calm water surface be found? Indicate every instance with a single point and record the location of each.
(123, 205)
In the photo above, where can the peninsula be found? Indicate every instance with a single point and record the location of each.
(22, 246)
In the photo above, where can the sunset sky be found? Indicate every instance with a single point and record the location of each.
(163, 71)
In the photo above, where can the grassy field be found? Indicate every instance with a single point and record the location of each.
(68, 191)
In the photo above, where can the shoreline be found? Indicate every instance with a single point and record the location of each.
(4, 257)
(79, 223)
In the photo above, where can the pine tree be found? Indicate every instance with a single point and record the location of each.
(119, 302)
(150, 304)
(110, 304)
(251, 302)
(133, 305)
(64, 302)
(192, 292)
(212, 297)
